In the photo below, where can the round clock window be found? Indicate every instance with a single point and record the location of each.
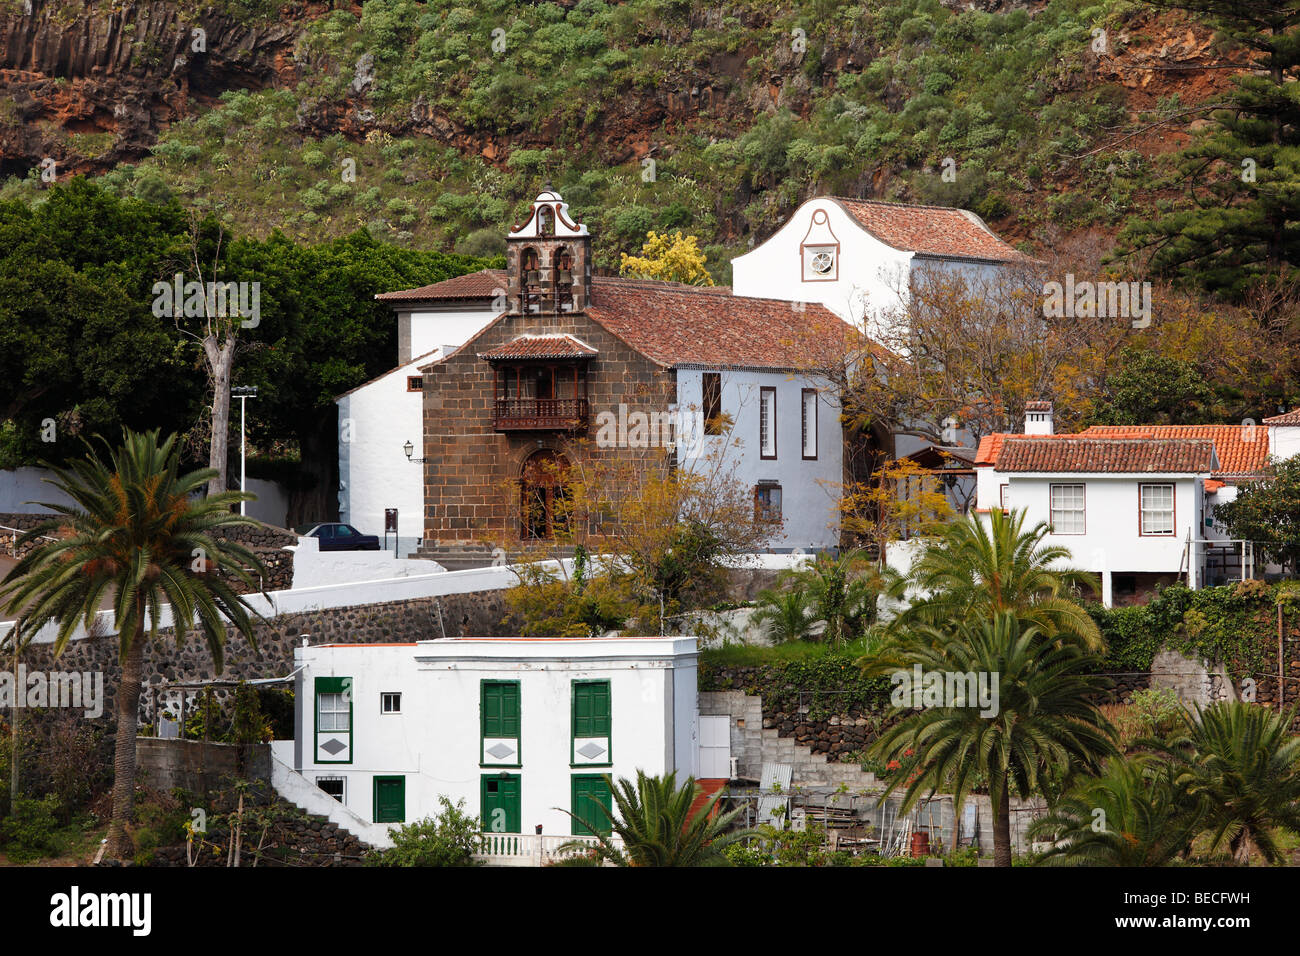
(822, 262)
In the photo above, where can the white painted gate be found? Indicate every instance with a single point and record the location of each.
(715, 747)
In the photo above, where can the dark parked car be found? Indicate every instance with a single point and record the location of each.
(343, 537)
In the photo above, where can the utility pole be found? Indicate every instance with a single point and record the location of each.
(243, 393)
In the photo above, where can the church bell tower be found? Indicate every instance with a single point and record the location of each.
(548, 260)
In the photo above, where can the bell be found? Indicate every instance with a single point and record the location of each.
(564, 277)
(532, 277)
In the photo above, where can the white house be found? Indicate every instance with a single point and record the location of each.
(1133, 503)
(858, 257)
(521, 729)
(379, 419)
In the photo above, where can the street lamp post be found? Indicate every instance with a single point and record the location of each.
(243, 393)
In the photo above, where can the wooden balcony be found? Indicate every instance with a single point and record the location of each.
(540, 414)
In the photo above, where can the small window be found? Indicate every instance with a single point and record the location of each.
(390, 703)
(767, 503)
(332, 713)
(415, 383)
(1156, 503)
(809, 425)
(333, 786)
(1067, 509)
(767, 422)
(1004, 496)
(712, 384)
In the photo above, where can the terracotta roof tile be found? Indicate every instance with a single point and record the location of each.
(542, 347)
(484, 284)
(940, 231)
(676, 324)
(1242, 450)
(1287, 418)
(1107, 455)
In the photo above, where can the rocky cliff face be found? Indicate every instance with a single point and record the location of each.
(90, 85)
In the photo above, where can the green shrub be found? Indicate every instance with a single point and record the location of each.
(449, 839)
(29, 832)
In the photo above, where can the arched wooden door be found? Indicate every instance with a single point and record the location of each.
(544, 500)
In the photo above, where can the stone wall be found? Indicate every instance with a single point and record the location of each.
(476, 613)
(198, 766)
(469, 465)
(290, 838)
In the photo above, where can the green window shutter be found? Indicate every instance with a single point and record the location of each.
(500, 704)
(590, 793)
(591, 708)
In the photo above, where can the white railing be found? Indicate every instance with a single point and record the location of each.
(530, 849)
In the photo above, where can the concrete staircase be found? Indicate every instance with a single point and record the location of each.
(813, 770)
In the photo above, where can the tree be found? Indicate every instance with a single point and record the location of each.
(449, 839)
(1242, 762)
(977, 572)
(81, 351)
(840, 591)
(653, 819)
(135, 531)
(902, 501)
(1136, 813)
(1043, 727)
(1148, 388)
(674, 258)
(1267, 512)
(1239, 223)
(783, 615)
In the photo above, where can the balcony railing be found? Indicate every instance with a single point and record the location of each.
(566, 414)
(528, 849)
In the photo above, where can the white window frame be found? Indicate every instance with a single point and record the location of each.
(327, 716)
(808, 413)
(383, 702)
(1068, 509)
(1144, 510)
(767, 422)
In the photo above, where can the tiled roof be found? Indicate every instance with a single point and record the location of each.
(1107, 455)
(1287, 418)
(931, 230)
(542, 347)
(1242, 449)
(1038, 406)
(991, 445)
(676, 324)
(484, 284)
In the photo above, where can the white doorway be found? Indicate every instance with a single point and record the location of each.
(715, 747)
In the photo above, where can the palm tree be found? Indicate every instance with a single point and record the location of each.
(1137, 813)
(1036, 728)
(783, 615)
(976, 572)
(135, 533)
(1241, 760)
(841, 591)
(654, 821)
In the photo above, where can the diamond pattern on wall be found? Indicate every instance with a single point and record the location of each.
(500, 751)
(333, 747)
(591, 750)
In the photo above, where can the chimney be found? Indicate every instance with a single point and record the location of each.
(1038, 418)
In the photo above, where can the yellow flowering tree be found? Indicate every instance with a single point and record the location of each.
(674, 258)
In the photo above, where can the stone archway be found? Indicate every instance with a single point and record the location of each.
(544, 502)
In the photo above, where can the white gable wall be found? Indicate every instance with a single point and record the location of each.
(869, 275)
(374, 473)
(810, 489)
(450, 328)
